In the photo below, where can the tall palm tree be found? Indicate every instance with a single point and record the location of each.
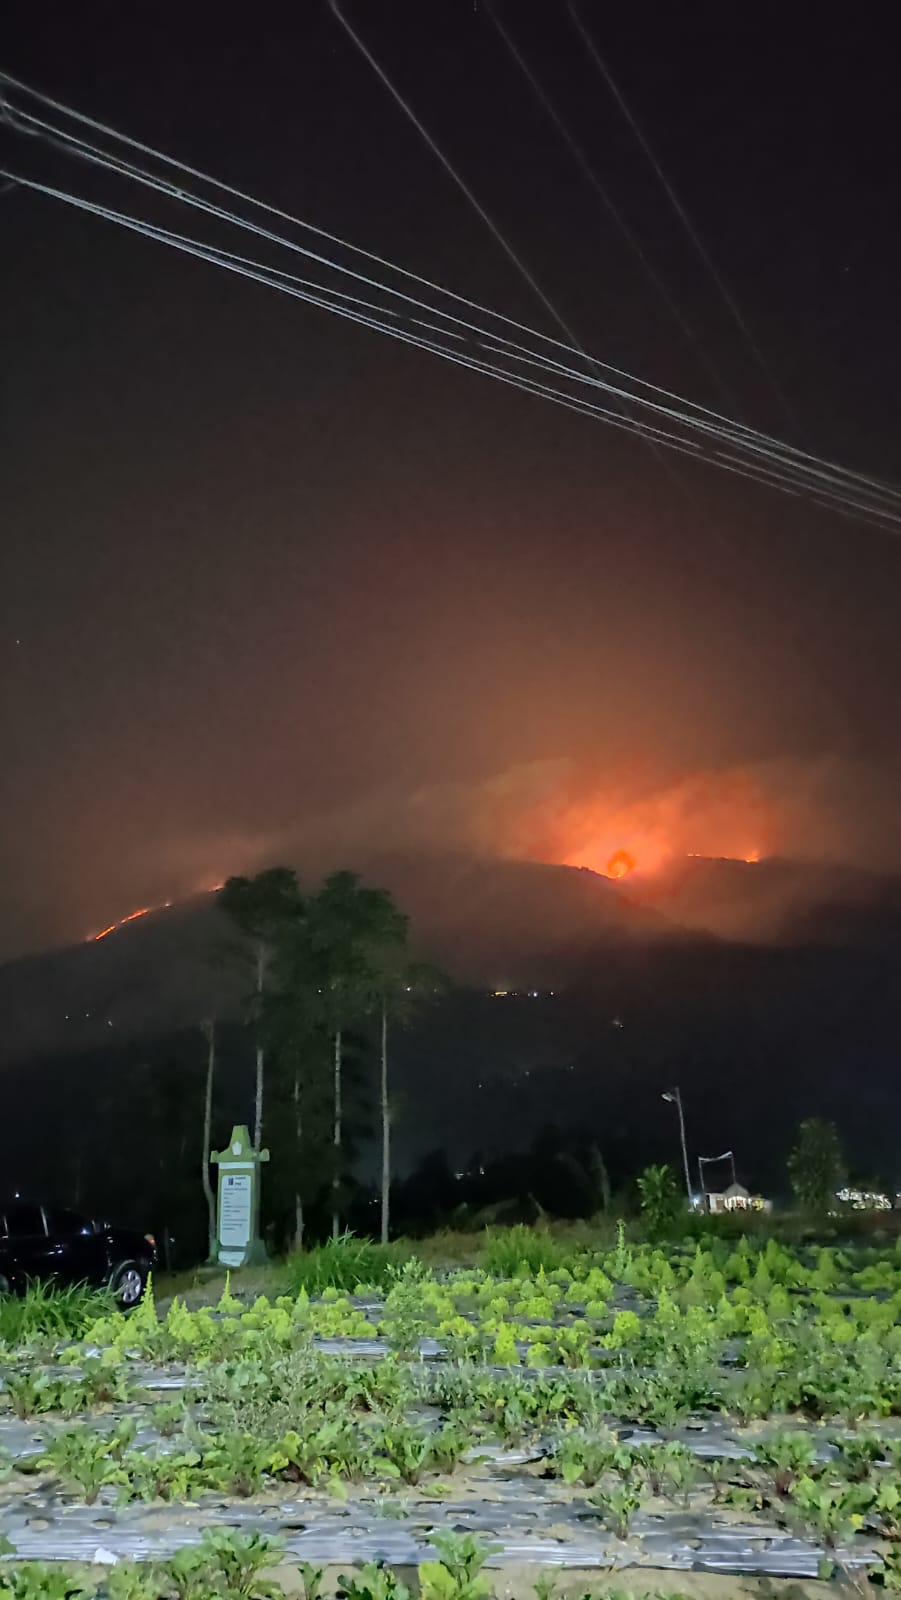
(262, 908)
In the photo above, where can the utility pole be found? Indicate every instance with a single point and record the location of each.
(675, 1099)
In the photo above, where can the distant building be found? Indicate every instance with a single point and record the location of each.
(735, 1198)
(864, 1199)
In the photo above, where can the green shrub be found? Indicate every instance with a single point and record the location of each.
(520, 1252)
(52, 1311)
(346, 1263)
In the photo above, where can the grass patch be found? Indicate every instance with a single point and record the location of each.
(346, 1263)
(52, 1311)
(507, 1251)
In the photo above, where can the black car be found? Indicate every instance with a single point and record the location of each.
(41, 1242)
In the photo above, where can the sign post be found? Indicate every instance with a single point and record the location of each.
(238, 1241)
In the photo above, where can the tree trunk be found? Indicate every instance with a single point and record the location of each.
(258, 1098)
(386, 1130)
(298, 1131)
(209, 1029)
(336, 1173)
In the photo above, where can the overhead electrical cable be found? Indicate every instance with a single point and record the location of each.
(115, 164)
(682, 214)
(764, 455)
(612, 210)
(274, 278)
(345, 306)
(497, 234)
(35, 124)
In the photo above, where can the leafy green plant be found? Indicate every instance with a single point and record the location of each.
(617, 1504)
(584, 1458)
(670, 1469)
(457, 1574)
(832, 1512)
(37, 1581)
(888, 1573)
(406, 1318)
(130, 1581)
(505, 1352)
(82, 1459)
(226, 1563)
(859, 1454)
(173, 1476)
(30, 1392)
(406, 1451)
(660, 1199)
(787, 1456)
(372, 1582)
(327, 1446)
(168, 1417)
(310, 1580)
(621, 1259)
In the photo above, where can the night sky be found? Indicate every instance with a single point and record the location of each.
(274, 586)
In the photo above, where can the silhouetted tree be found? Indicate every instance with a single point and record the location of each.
(816, 1166)
(403, 985)
(262, 908)
(209, 1032)
(353, 931)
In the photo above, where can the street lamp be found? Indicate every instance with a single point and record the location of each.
(675, 1099)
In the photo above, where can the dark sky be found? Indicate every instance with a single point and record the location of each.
(261, 570)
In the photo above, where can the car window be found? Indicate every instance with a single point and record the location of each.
(66, 1223)
(23, 1221)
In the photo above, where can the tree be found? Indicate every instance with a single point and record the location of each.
(293, 1018)
(402, 984)
(660, 1198)
(262, 908)
(354, 932)
(209, 1031)
(816, 1166)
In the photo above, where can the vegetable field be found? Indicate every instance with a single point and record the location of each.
(632, 1417)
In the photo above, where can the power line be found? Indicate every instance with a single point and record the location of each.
(870, 483)
(301, 289)
(496, 233)
(682, 214)
(283, 281)
(452, 172)
(608, 204)
(115, 164)
(789, 463)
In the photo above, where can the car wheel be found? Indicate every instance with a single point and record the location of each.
(127, 1284)
(4, 1285)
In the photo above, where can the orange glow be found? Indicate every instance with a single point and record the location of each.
(132, 917)
(714, 815)
(620, 864)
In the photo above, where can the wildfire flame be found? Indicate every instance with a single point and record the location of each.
(143, 911)
(620, 864)
(132, 917)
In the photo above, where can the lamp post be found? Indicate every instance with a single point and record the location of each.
(675, 1099)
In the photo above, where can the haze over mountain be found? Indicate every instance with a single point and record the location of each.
(492, 924)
